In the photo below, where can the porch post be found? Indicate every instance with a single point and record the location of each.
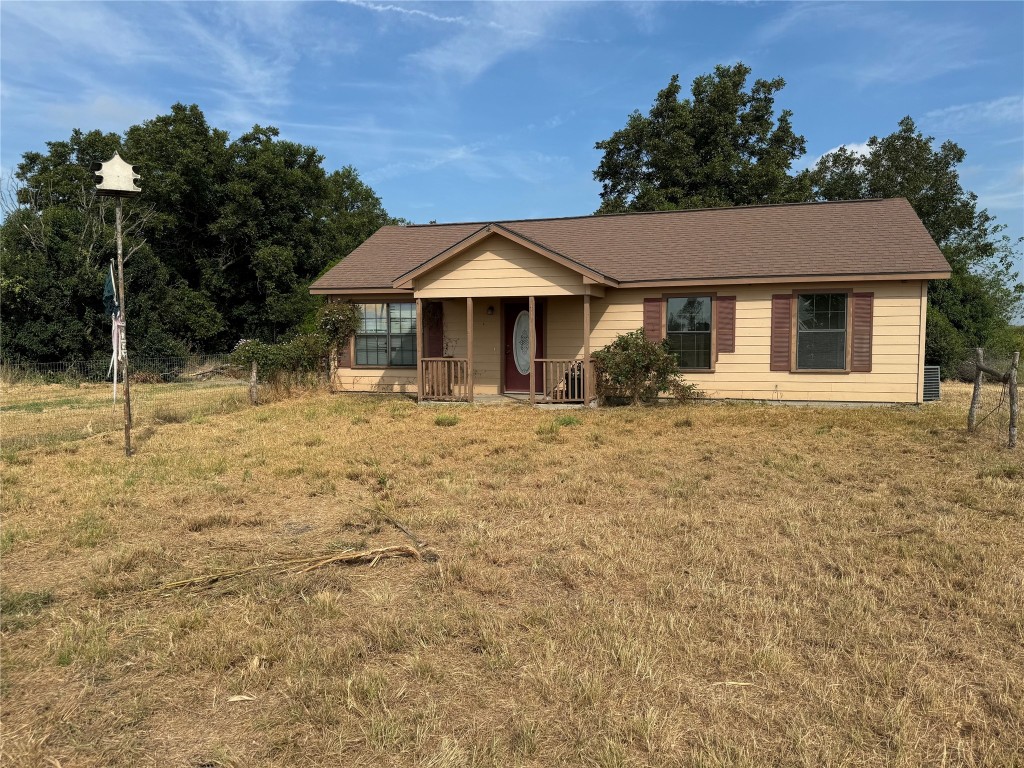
(533, 351)
(419, 350)
(587, 383)
(469, 344)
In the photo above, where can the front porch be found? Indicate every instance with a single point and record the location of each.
(535, 349)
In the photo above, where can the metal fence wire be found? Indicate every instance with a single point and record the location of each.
(57, 402)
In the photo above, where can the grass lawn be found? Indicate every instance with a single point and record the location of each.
(731, 585)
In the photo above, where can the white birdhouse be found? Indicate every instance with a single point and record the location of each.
(116, 177)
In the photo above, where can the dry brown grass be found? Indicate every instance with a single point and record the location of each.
(53, 414)
(702, 586)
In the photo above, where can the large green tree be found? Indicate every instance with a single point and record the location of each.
(977, 304)
(224, 240)
(722, 146)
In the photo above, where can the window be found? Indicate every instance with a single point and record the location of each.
(821, 332)
(688, 329)
(387, 335)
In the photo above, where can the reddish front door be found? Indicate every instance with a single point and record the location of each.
(515, 336)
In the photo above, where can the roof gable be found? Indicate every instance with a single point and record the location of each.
(456, 249)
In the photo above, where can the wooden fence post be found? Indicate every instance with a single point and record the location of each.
(253, 388)
(979, 375)
(1014, 401)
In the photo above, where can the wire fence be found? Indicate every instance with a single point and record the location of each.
(57, 402)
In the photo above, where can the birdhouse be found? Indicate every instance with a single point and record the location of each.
(116, 177)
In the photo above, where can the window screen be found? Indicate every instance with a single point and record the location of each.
(821, 331)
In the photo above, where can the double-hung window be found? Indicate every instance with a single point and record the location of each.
(386, 335)
(821, 332)
(688, 330)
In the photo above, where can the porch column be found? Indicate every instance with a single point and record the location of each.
(469, 344)
(587, 383)
(533, 351)
(419, 350)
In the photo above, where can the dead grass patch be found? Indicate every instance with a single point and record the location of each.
(714, 585)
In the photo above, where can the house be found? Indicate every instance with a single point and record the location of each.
(802, 302)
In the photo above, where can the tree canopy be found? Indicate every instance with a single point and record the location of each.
(722, 146)
(976, 306)
(224, 239)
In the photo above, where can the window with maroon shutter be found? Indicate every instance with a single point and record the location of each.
(782, 329)
(725, 320)
(863, 323)
(652, 320)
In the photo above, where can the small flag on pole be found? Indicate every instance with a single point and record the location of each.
(117, 335)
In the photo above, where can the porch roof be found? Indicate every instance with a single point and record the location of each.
(877, 238)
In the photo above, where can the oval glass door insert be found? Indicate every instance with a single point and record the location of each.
(521, 342)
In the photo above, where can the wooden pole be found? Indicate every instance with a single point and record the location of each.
(419, 350)
(124, 363)
(254, 397)
(469, 345)
(979, 375)
(533, 351)
(1014, 400)
(587, 383)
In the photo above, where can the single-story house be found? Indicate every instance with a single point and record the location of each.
(802, 302)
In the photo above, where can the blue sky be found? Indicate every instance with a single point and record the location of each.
(470, 111)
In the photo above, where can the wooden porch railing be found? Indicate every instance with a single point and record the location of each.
(445, 378)
(564, 381)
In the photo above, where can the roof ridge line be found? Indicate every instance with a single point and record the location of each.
(485, 222)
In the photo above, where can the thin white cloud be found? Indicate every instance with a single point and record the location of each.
(895, 47)
(514, 27)
(979, 115)
(407, 11)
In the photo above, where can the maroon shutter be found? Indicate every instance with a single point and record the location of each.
(345, 354)
(863, 322)
(652, 320)
(725, 319)
(782, 330)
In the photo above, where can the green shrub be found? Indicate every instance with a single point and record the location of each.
(446, 420)
(634, 370)
(303, 355)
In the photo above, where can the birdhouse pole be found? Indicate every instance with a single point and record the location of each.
(117, 178)
(124, 361)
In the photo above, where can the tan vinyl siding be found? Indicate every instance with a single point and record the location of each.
(498, 267)
(897, 344)
(564, 331)
(896, 341)
(374, 380)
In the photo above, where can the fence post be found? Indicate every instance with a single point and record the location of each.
(253, 388)
(979, 375)
(1014, 401)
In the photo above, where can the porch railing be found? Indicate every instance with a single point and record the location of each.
(445, 378)
(563, 381)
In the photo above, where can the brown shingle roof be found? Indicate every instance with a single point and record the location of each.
(787, 241)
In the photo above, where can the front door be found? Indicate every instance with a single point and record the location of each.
(516, 337)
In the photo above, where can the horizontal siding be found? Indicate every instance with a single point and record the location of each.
(498, 267)
(374, 380)
(745, 373)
